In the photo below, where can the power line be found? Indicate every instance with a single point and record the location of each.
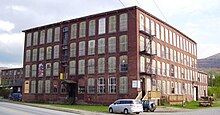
(138, 3)
(159, 10)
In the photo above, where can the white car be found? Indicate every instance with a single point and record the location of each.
(126, 106)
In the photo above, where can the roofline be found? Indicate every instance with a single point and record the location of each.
(105, 13)
(84, 17)
(11, 69)
(164, 23)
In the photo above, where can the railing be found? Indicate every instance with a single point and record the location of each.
(139, 96)
(152, 95)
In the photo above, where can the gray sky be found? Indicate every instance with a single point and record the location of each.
(198, 19)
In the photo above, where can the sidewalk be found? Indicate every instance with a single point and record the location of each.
(83, 112)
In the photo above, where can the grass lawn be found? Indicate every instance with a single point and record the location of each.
(195, 105)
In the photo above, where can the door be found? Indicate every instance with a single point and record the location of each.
(195, 93)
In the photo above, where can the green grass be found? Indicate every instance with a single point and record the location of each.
(94, 108)
(195, 105)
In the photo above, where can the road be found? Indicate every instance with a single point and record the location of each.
(17, 109)
(207, 111)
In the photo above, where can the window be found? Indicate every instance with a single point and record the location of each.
(123, 85)
(112, 44)
(158, 31)
(57, 34)
(34, 70)
(174, 39)
(123, 22)
(33, 86)
(73, 50)
(163, 53)
(172, 70)
(27, 71)
(142, 43)
(28, 55)
(34, 55)
(167, 35)
(141, 22)
(112, 24)
(112, 64)
(162, 33)
(152, 28)
(158, 68)
(123, 43)
(153, 47)
(123, 63)
(101, 85)
(47, 86)
(72, 67)
(91, 66)
(73, 31)
(41, 54)
(102, 26)
(91, 86)
(101, 46)
(171, 38)
(168, 69)
(40, 86)
(92, 28)
(153, 67)
(49, 52)
(101, 65)
(55, 69)
(82, 29)
(91, 47)
(158, 50)
(142, 64)
(82, 48)
(168, 87)
(48, 69)
(81, 68)
(112, 85)
(147, 25)
(49, 35)
(26, 87)
(28, 40)
(56, 52)
(35, 39)
(171, 54)
(42, 37)
(163, 69)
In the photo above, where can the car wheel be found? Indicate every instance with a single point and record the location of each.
(137, 112)
(145, 109)
(125, 111)
(110, 110)
(152, 110)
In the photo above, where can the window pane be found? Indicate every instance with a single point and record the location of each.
(112, 64)
(72, 67)
(49, 35)
(102, 26)
(28, 39)
(57, 34)
(82, 48)
(101, 65)
(56, 52)
(42, 37)
(123, 85)
(82, 29)
(73, 31)
(73, 50)
(35, 39)
(112, 24)
(123, 43)
(112, 44)
(91, 27)
(91, 50)
(101, 46)
(123, 22)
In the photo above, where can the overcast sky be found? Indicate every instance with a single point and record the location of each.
(198, 19)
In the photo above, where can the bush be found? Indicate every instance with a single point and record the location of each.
(5, 93)
(215, 90)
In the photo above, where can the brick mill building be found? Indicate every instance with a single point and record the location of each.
(117, 54)
(12, 78)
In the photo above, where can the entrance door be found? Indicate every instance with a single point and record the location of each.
(195, 91)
